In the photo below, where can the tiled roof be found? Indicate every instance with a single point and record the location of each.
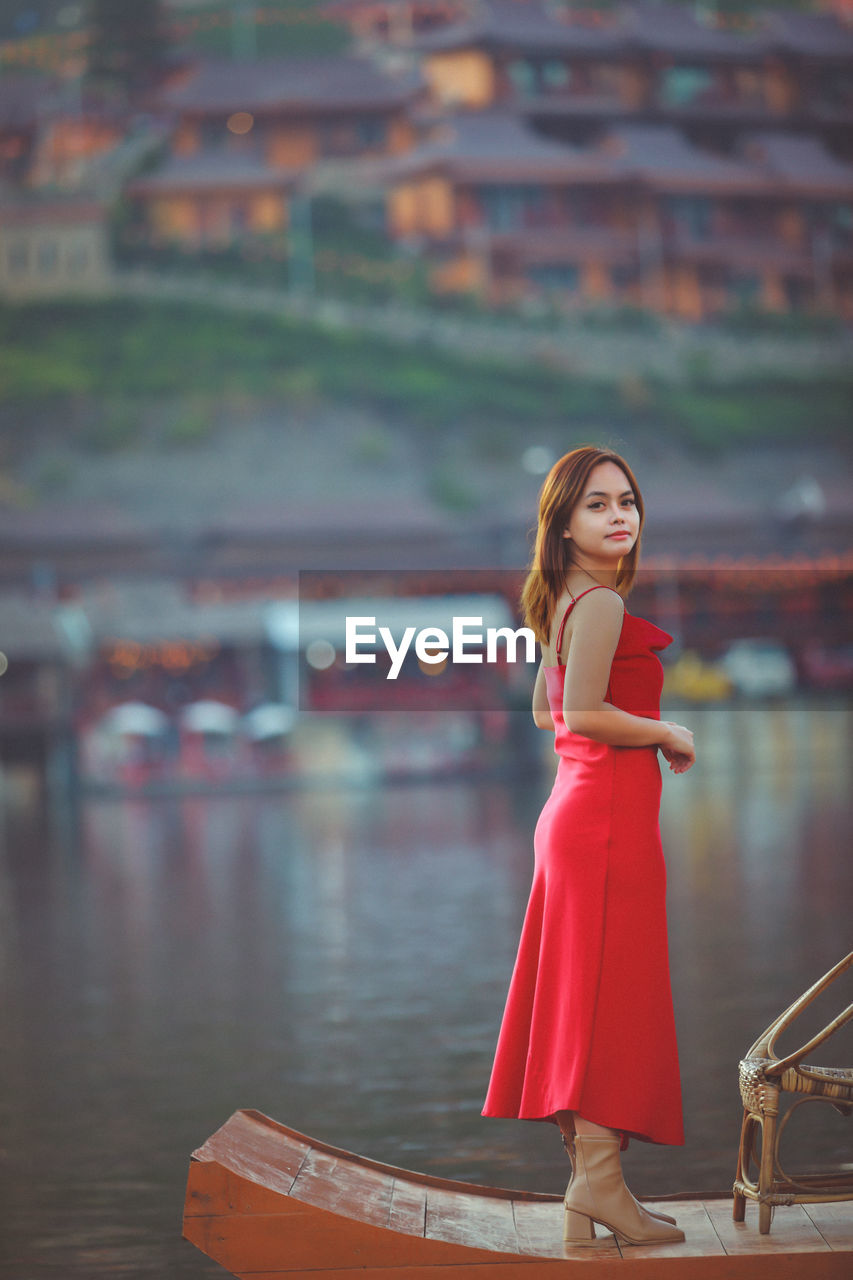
(811, 34)
(496, 145)
(529, 26)
(295, 84)
(23, 208)
(799, 159)
(662, 155)
(673, 28)
(524, 26)
(206, 170)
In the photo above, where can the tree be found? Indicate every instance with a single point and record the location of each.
(128, 44)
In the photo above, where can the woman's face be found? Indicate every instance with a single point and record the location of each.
(605, 522)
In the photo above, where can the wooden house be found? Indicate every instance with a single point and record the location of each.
(520, 54)
(212, 199)
(641, 217)
(244, 131)
(647, 61)
(53, 246)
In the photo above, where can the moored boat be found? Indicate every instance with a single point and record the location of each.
(265, 1201)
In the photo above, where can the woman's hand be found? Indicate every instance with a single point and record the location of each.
(677, 747)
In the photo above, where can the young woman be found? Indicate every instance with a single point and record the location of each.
(588, 1036)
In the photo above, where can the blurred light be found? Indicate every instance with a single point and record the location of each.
(537, 460)
(320, 654)
(4, 664)
(240, 121)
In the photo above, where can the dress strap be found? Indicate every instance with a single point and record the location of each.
(569, 608)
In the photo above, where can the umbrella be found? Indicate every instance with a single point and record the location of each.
(271, 720)
(136, 718)
(209, 717)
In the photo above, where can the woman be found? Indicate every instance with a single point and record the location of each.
(588, 1035)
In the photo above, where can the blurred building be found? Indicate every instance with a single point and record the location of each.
(244, 132)
(645, 155)
(572, 71)
(643, 217)
(51, 247)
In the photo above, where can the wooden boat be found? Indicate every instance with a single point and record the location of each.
(267, 1202)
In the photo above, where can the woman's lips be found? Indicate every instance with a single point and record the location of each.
(620, 534)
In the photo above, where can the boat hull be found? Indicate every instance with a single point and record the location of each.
(266, 1202)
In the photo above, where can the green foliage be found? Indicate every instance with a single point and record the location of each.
(447, 487)
(716, 419)
(621, 319)
(125, 352)
(752, 321)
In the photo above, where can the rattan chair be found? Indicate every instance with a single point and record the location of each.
(764, 1078)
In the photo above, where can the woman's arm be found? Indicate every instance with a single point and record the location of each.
(596, 626)
(541, 708)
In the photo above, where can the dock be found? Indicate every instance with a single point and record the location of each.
(267, 1202)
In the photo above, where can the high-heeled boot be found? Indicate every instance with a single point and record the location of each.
(569, 1144)
(597, 1193)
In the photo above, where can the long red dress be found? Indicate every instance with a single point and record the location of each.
(588, 1024)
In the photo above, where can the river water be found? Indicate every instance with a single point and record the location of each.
(338, 957)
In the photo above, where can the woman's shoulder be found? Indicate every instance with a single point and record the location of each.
(593, 608)
(600, 602)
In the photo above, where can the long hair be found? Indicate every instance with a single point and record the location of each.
(552, 555)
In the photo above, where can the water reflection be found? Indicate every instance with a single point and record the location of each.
(339, 958)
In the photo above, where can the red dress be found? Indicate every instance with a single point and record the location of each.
(588, 1024)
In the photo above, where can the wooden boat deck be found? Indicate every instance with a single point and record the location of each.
(267, 1202)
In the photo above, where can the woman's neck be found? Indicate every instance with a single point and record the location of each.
(604, 577)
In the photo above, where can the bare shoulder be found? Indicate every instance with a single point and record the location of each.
(600, 605)
(595, 620)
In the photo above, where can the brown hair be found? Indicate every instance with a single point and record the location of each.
(552, 555)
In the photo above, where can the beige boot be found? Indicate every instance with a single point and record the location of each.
(597, 1193)
(569, 1144)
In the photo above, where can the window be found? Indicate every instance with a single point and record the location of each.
(745, 290)
(691, 214)
(555, 275)
(842, 224)
(511, 208)
(371, 131)
(523, 77)
(683, 86)
(555, 75)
